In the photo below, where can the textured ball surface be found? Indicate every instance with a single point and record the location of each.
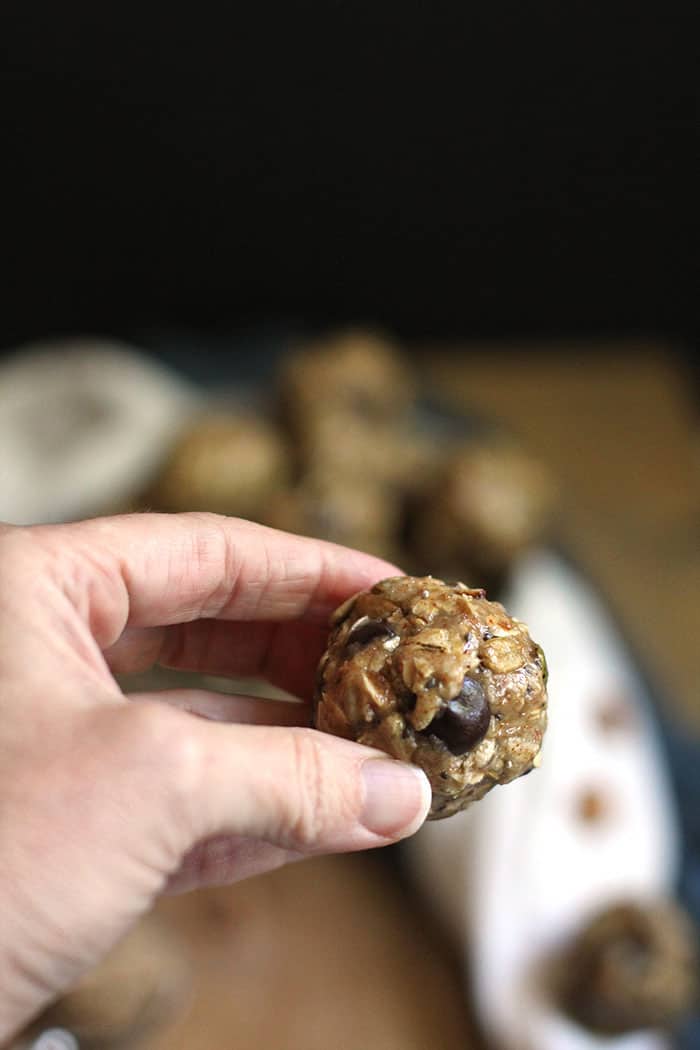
(434, 674)
(633, 966)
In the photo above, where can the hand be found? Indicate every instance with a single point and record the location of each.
(106, 800)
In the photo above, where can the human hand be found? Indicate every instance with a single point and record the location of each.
(107, 800)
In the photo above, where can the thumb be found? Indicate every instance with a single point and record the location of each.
(300, 789)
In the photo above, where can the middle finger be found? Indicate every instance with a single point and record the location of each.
(286, 655)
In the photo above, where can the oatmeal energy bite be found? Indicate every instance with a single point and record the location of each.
(634, 965)
(434, 674)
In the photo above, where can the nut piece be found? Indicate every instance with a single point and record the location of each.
(634, 966)
(412, 667)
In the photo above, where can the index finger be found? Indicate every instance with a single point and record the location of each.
(158, 569)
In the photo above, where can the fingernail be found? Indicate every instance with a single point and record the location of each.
(397, 797)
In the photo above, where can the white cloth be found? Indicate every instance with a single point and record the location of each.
(83, 425)
(55, 1039)
(517, 873)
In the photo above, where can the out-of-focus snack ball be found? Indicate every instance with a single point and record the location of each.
(141, 984)
(354, 371)
(347, 510)
(487, 504)
(434, 674)
(387, 453)
(633, 966)
(223, 463)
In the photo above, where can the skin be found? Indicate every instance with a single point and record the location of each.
(107, 800)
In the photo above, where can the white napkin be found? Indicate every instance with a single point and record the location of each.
(519, 872)
(83, 425)
(55, 1039)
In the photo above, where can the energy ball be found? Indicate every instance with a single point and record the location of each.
(386, 452)
(434, 674)
(144, 983)
(633, 966)
(350, 511)
(346, 401)
(353, 371)
(223, 463)
(487, 504)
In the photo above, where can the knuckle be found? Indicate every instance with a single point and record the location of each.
(38, 555)
(214, 555)
(142, 767)
(15, 547)
(26, 570)
(309, 806)
(159, 742)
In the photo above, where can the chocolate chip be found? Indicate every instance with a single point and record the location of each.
(615, 715)
(407, 702)
(465, 719)
(592, 806)
(366, 630)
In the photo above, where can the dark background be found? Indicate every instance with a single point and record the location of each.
(444, 169)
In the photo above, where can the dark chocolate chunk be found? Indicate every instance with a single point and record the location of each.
(465, 719)
(365, 630)
(592, 807)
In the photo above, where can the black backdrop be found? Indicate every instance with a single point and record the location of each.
(443, 168)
